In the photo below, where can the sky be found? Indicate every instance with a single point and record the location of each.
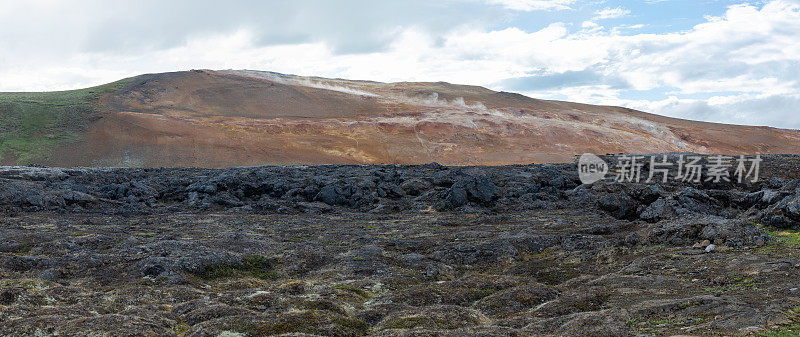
(713, 60)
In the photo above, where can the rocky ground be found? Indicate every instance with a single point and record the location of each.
(395, 251)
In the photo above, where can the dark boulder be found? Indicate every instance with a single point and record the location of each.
(619, 205)
(482, 190)
(334, 195)
(659, 210)
(415, 186)
(784, 214)
(476, 189)
(647, 194)
(202, 187)
(456, 197)
(692, 200)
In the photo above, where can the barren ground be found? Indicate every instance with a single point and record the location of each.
(395, 251)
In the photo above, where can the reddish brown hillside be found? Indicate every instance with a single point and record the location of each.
(236, 118)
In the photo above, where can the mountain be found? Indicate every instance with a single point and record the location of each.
(242, 117)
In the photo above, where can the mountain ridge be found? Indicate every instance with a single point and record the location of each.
(229, 118)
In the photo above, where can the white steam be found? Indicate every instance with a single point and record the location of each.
(301, 81)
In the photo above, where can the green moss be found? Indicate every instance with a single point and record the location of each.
(181, 328)
(787, 237)
(785, 244)
(35, 123)
(358, 291)
(481, 293)
(546, 267)
(27, 284)
(736, 285)
(257, 266)
(789, 329)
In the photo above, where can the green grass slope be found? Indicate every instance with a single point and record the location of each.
(33, 124)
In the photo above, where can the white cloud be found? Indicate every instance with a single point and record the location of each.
(761, 109)
(534, 5)
(729, 68)
(611, 13)
(750, 55)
